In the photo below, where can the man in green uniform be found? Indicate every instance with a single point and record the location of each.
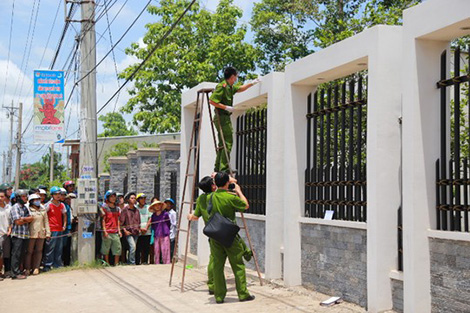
(208, 186)
(222, 99)
(227, 203)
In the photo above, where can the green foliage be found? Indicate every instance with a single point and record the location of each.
(33, 175)
(288, 30)
(115, 125)
(120, 149)
(282, 32)
(197, 50)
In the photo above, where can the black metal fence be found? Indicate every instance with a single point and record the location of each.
(452, 168)
(156, 185)
(251, 158)
(335, 177)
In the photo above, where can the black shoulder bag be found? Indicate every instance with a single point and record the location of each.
(220, 228)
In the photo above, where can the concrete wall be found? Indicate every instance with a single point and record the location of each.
(118, 173)
(147, 164)
(397, 294)
(334, 261)
(257, 229)
(403, 68)
(450, 275)
(132, 171)
(194, 237)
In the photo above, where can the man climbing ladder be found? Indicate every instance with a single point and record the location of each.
(222, 100)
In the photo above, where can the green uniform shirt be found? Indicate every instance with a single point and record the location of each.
(201, 207)
(226, 204)
(223, 93)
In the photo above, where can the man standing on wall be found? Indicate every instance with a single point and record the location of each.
(222, 99)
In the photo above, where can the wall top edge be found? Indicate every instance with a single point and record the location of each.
(335, 223)
(449, 235)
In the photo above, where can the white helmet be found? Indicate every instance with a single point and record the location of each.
(42, 192)
(33, 197)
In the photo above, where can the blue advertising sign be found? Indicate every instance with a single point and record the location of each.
(48, 119)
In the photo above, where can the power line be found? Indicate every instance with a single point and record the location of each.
(29, 50)
(117, 42)
(26, 45)
(64, 31)
(165, 36)
(9, 50)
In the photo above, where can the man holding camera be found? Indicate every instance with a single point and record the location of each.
(227, 203)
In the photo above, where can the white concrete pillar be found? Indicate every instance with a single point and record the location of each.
(383, 164)
(294, 182)
(275, 201)
(427, 30)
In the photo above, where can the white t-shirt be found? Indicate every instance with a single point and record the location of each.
(172, 214)
(4, 219)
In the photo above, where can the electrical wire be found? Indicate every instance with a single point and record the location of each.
(159, 43)
(9, 50)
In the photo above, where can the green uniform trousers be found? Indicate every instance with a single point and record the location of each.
(210, 266)
(226, 131)
(235, 252)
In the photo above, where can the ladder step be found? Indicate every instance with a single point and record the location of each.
(184, 230)
(188, 202)
(197, 119)
(192, 147)
(189, 174)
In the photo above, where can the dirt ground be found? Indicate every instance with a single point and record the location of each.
(145, 289)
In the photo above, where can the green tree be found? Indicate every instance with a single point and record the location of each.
(197, 50)
(35, 174)
(120, 149)
(114, 125)
(288, 30)
(283, 31)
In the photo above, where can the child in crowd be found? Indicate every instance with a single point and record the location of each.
(160, 222)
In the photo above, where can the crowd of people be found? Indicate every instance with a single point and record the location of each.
(136, 232)
(36, 229)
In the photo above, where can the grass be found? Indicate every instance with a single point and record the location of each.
(96, 264)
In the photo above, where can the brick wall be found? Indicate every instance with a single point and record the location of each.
(334, 261)
(450, 275)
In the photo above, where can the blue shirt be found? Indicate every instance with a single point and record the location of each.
(21, 231)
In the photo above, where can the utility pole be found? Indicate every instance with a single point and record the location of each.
(18, 146)
(4, 166)
(88, 128)
(51, 169)
(11, 114)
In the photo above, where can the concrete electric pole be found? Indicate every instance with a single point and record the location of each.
(88, 128)
(18, 146)
(11, 114)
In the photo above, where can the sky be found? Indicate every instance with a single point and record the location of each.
(34, 38)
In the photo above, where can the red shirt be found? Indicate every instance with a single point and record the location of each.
(111, 218)
(55, 215)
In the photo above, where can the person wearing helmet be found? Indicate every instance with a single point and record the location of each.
(38, 231)
(5, 230)
(143, 243)
(43, 195)
(20, 218)
(111, 228)
(120, 201)
(8, 192)
(57, 215)
(170, 206)
(69, 186)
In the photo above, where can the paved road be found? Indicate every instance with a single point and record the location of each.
(145, 289)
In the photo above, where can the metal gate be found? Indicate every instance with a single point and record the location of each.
(335, 176)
